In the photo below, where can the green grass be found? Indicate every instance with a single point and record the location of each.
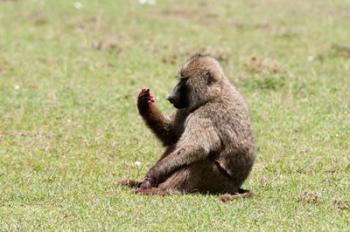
(69, 128)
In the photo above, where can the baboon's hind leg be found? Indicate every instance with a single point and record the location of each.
(201, 177)
(177, 183)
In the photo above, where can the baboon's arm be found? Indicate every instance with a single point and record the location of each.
(161, 126)
(196, 143)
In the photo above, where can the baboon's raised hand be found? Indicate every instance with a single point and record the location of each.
(144, 100)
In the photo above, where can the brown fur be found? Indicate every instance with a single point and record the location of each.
(210, 147)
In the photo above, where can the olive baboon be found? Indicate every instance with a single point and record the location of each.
(210, 147)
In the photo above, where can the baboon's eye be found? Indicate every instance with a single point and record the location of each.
(210, 78)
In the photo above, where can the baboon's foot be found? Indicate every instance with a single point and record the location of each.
(130, 183)
(242, 193)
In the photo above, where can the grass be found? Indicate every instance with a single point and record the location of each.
(69, 128)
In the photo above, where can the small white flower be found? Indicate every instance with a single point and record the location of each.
(310, 58)
(149, 2)
(77, 5)
(16, 87)
(137, 164)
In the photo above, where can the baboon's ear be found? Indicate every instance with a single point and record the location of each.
(210, 78)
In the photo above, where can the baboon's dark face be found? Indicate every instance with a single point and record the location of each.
(199, 83)
(179, 96)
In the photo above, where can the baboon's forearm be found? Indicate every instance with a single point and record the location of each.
(161, 126)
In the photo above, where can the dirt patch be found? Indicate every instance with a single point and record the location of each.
(253, 26)
(110, 43)
(4, 65)
(263, 74)
(114, 43)
(259, 65)
(32, 135)
(102, 38)
(38, 18)
(335, 51)
(260, 167)
(193, 15)
(284, 33)
(181, 14)
(221, 54)
(275, 30)
(341, 204)
(340, 50)
(310, 197)
(338, 12)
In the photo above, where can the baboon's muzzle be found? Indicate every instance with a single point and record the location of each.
(178, 96)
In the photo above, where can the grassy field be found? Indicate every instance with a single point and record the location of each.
(69, 128)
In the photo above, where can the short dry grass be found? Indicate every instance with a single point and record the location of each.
(69, 128)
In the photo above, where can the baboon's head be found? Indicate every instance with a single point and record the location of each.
(200, 81)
